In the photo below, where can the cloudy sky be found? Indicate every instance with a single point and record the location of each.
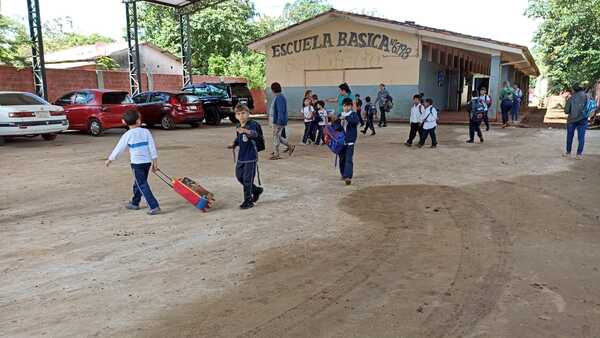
(500, 20)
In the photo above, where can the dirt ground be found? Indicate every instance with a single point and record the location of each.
(500, 239)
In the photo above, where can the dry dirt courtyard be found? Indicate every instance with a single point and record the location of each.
(500, 239)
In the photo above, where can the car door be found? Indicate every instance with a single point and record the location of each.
(66, 101)
(159, 105)
(81, 110)
(143, 107)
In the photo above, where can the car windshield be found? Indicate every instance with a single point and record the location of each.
(18, 99)
(209, 90)
(240, 89)
(188, 98)
(116, 98)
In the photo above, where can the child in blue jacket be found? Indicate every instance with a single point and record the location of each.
(245, 165)
(348, 122)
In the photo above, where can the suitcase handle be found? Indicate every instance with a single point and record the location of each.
(164, 177)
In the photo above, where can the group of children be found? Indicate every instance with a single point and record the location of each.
(423, 121)
(316, 118)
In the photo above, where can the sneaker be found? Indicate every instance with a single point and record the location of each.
(433, 146)
(348, 181)
(579, 157)
(372, 133)
(257, 193)
(291, 149)
(566, 154)
(131, 206)
(470, 141)
(364, 132)
(420, 145)
(480, 140)
(154, 211)
(246, 205)
(408, 144)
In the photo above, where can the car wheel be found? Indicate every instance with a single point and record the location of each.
(212, 117)
(167, 122)
(49, 137)
(95, 127)
(194, 124)
(233, 119)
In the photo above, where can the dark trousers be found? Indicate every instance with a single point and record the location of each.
(505, 107)
(369, 124)
(245, 172)
(486, 121)
(141, 188)
(475, 127)
(346, 163)
(320, 134)
(314, 126)
(360, 118)
(415, 128)
(428, 132)
(580, 126)
(514, 111)
(306, 136)
(382, 119)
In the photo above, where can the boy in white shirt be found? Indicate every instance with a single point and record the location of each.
(415, 120)
(143, 156)
(323, 122)
(429, 123)
(308, 113)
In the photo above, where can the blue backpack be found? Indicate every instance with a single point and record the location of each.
(590, 108)
(335, 140)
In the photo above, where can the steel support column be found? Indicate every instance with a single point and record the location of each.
(135, 75)
(186, 48)
(37, 48)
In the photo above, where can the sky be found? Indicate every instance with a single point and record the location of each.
(499, 20)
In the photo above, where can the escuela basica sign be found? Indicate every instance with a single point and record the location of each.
(344, 39)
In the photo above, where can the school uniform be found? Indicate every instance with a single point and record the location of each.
(488, 102)
(429, 122)
(415, 122)
(359, 105)
(245, 165)
(474, 122)
(517, 97)
(308, 119)
(347, 122)
(370, 113)
(323, 122)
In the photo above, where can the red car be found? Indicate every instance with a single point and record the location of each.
(169, 109)
(95, 110)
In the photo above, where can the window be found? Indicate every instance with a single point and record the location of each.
(188, 98)
(209, 90)
(20, 99)
(159, 97)
(83, 98)
(240, 89)
(141, 98)
(116, 98)
(65, 100)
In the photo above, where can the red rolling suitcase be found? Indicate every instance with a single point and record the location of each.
(191, 191)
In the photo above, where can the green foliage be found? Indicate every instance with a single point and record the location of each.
(106, 63)
(300, 10)
(567, 41)
(248, 65)
(13, 42)
(60, 34)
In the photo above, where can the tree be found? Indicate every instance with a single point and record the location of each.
(567, 40)
(248, 65)
(60, 34)
(300, 10)
(13, 42)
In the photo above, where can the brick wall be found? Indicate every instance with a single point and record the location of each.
(61, 81)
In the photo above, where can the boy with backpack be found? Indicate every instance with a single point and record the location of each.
(347, 122)
(477, 110)
(249, 138)
(488, 102)
(428, 123)
(144, 157)
(370, 112)
(415, 120)
(322, 119)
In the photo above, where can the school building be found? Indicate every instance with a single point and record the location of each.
(364, 51)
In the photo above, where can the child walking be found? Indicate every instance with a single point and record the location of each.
(247, 133)
(415, 120)
(477, 110)
(323, 122)
(308, 113)
(348, 122)
(143, 157)
(429, 123)
(370, 112)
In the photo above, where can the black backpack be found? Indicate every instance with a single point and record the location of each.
(259, 141)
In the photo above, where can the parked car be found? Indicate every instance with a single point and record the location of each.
(170, 109)
(25, 114)
(95, 110)
(219, 99)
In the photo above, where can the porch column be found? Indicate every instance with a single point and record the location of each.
(495, 84)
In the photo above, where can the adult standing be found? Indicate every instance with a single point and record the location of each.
(576, 120)
(506, 102)
(517, 98)
(280, 121)
(383, 97)
(344, 92)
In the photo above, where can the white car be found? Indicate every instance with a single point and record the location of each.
(25, 114)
